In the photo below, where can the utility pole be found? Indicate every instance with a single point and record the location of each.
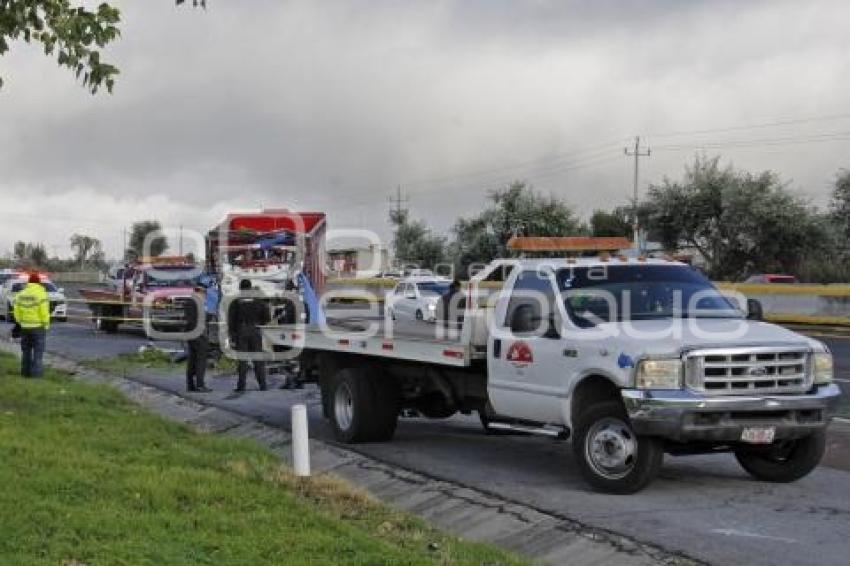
(124, 244)
(398, 200)
(396, 213)
(181, 241)
(637, 154)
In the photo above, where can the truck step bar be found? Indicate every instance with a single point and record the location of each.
(556, 433)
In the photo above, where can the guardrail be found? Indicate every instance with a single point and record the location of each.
(798, 303)
(76, 277)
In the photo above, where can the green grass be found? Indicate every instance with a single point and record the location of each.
(90, 478)
(122, 363)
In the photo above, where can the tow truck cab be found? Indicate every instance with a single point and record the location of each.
(636, 357)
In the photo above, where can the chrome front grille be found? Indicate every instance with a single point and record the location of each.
(748, 371)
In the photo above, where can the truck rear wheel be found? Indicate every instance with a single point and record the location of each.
(363, 409)
(786, 461)
(101, 319)
(611, 457)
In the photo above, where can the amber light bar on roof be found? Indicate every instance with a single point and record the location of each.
(568, 244)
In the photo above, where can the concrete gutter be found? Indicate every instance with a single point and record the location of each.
(468, 513)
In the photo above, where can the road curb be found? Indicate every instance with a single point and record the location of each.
(466, 512)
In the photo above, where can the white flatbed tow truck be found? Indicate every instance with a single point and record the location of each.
(630, 358)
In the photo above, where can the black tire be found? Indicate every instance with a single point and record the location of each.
(386, 395)
(611, 457)
(786, 461)
(100, 317)
(362, 409)
(419, 315)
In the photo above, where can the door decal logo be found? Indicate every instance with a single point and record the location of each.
(520, 353)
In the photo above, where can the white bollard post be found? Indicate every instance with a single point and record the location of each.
(300, 441)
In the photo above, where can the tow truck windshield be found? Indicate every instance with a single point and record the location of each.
(619, 292)
(163, 277)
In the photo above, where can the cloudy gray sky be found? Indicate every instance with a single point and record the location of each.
(330, 105)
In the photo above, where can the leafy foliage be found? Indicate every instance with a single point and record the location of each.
(614, 223)
(839, 207)
(739, 222)
(73, 33)
(414, 243)
(515, 210)
(29, 254)
(86, 249)
(144, 241)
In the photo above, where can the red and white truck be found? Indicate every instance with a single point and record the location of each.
(630, 358)
(150, 288)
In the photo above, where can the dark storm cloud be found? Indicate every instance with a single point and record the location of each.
(331, 105)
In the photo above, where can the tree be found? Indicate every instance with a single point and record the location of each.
(515, 210)
(28, 254)
(142, 231)
(839, 206)
(614, 223)
(74, 34)
(85, 248)
(739, 222)
(413, 242)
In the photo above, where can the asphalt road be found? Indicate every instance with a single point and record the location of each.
(703, 506)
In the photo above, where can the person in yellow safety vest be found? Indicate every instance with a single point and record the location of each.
(32, 315)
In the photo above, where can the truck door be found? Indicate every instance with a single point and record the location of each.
(524, 353)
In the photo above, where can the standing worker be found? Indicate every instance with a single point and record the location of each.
(448, 310)
(244, 316)
(32, 314)
(197, 348)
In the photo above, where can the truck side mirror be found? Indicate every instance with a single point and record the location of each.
(754, 310)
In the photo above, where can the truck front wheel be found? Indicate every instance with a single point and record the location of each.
(611, 457)
(784, 461)
(363, 408)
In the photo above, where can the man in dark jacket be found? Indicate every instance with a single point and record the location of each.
(446, 309)
(244, 316)
(198, 348)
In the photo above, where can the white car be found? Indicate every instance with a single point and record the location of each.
(13, 286)
(416, 298)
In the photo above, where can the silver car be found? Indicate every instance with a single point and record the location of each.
(416, 298)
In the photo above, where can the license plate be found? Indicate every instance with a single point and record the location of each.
(758, 434)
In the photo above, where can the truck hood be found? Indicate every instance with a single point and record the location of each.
(664, 337)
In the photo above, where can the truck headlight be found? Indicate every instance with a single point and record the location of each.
(659, 374)
(823, 368)
(432, 307)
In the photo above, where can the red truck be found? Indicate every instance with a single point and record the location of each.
(149, 287)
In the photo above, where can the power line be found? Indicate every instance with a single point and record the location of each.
(786, 140)
(755, 126)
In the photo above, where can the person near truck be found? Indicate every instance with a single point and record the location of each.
(446, 308)
(244, 317)
(32, 315)
(198, 347)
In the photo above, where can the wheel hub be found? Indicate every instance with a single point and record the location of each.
(344, 406)
(611, 448)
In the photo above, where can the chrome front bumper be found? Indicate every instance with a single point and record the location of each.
(684, 415)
